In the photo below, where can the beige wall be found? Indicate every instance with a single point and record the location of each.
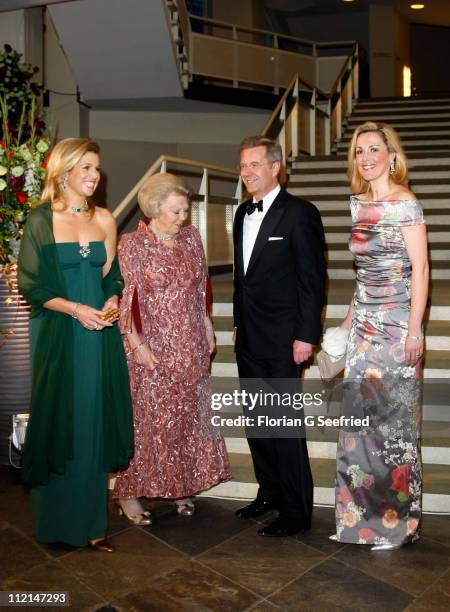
(402, 51)
(175, 127)
(12, 30)
(389, 50)
(34, 40)
(381, 31)
(63, 114)
(328, 69)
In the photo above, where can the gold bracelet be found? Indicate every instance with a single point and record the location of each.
(75, 311)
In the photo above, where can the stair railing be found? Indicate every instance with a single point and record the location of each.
(225, 52)
(309, 121)
(212, 213)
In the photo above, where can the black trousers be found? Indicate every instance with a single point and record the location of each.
(281, 465)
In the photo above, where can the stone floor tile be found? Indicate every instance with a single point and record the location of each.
(58, 549)
(411, 568)
(189, 587)
(261, 564)
(436, 598)
(230, 504)
(51, 576)
(323, 525)
(264, 606)
(137, 559)
(17, 553)
(436, 528)
(15, 507)
(333, 586)
(210, 525)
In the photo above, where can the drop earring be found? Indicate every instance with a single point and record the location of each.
(64, 184)
(392, 166)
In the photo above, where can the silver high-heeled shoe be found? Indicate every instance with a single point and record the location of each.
(185, 507)
(376, 547)
(144, 518)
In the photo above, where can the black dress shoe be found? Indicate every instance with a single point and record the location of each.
(283, 527)
(256, 508)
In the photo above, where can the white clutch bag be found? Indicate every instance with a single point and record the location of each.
(331, 359)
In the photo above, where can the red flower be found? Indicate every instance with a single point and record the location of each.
(359, 241)
(368, 213)
(366, 534)
(400, 478)
(44, 164)
(2, 145)
(22, 197)
(369, 329)
(343, 495)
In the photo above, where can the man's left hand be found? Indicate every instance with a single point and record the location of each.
(301, 351)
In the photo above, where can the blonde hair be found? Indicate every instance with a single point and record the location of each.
(63, 158)
(392, 142)
(156, 190)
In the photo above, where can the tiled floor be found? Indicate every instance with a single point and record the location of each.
(216, 561)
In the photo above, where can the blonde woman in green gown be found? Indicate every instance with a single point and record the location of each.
(80, 426)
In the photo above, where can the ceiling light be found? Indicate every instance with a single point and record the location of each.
(347, 0)
(417, 6)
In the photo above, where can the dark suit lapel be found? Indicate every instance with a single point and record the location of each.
(269, 223)
(238, 238)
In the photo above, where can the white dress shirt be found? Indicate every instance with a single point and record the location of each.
(252, 223)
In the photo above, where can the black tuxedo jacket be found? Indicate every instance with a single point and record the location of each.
(280, 298)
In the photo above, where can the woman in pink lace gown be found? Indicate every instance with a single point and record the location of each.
(168, 339)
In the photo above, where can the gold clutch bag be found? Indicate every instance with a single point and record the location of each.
(111, 315)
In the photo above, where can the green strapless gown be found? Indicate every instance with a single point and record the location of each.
(72, 508)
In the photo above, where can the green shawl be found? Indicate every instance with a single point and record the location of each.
(49, 440)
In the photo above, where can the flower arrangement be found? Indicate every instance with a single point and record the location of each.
(23, 151)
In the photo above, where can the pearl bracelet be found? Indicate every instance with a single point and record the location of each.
(75, 310)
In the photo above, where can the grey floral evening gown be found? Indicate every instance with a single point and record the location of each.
(378, 480)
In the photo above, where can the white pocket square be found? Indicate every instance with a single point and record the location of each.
(276, 238)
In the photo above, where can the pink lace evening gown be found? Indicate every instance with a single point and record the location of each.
(177, 451)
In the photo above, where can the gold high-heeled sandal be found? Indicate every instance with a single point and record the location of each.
(100, 545)
(144, 518)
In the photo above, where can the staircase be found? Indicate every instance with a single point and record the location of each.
(424, 126)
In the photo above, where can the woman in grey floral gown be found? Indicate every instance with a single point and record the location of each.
(379, 476)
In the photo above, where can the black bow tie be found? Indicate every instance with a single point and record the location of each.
(252, 206)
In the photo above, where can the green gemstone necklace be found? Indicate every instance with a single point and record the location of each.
(80, 209)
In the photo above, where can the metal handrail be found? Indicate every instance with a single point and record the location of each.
(275, 35)
(277, 110)
(158, 164)
(202, 199)
(344, 69)
(332, 115)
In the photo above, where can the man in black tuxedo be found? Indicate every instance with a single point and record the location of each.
(279, 282)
